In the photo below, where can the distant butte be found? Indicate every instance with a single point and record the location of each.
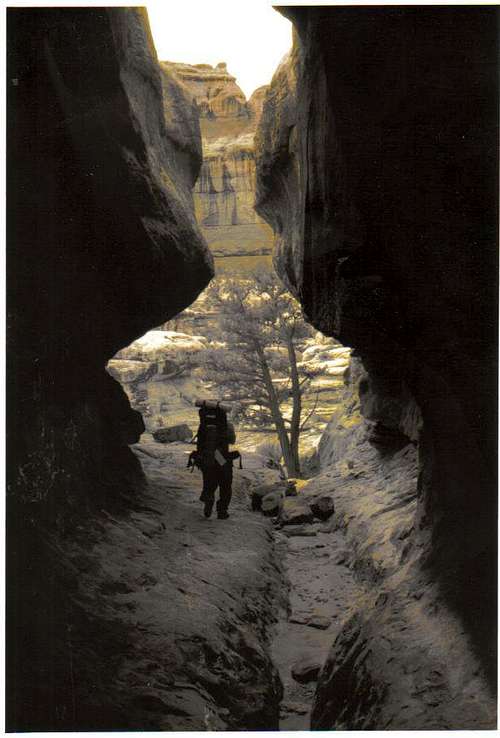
(224, 192)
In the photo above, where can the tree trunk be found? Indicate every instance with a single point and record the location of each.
(279, 423)
(296, 407)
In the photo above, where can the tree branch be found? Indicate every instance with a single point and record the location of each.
(311, 413)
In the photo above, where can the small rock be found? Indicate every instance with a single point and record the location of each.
(322, 507)
(291, 488)
(320, 622)
(181, 432)
(306, 670)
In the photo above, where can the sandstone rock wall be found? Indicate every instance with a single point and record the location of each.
(226, 184)
(376, 168)
(402, 659)
(225, 191)
(102, 245)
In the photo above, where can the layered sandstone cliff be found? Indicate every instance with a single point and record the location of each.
(376, 169)
(225, 191)
(103, 244)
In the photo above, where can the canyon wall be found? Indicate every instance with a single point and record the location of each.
(225, 191)
(102, 245)
(377, 157)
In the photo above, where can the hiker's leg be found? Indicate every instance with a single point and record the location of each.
(205, 485)
(225, 488)
(210, 484)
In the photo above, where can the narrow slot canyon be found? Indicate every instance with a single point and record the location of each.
(319, 256)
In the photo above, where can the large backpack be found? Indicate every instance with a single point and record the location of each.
(212, 435)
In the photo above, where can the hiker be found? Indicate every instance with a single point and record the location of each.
(212, 456)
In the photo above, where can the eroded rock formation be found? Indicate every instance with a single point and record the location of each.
(103, 244)
(110, 246)
(225, 191)
(377, 170)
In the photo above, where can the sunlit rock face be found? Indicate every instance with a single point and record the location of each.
(376, 169)
(215, 90)
(225, 191)
(226, 185)
(103, 244)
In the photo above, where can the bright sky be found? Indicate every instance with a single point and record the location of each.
(248, 35)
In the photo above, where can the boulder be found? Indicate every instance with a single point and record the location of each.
(322, 507)
(258, 493)
(264, 489)
(271, 504)
(181, 432)
(295, 512)
(306, 670)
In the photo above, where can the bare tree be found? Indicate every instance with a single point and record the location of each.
(257, 366)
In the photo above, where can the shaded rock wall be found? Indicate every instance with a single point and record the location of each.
(402, 660)
(225, 191)
(376, 168)
(110, 246)
(102, 245)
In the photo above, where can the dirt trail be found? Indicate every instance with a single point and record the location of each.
(202, 605)
(231, 569)
(184, 607)
(320, 585)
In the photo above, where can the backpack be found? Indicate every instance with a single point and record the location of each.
(212, 435)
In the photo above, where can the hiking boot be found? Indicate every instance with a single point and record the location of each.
(207, 510)
(222, 515)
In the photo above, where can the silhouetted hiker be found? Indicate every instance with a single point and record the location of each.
(212, 456)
